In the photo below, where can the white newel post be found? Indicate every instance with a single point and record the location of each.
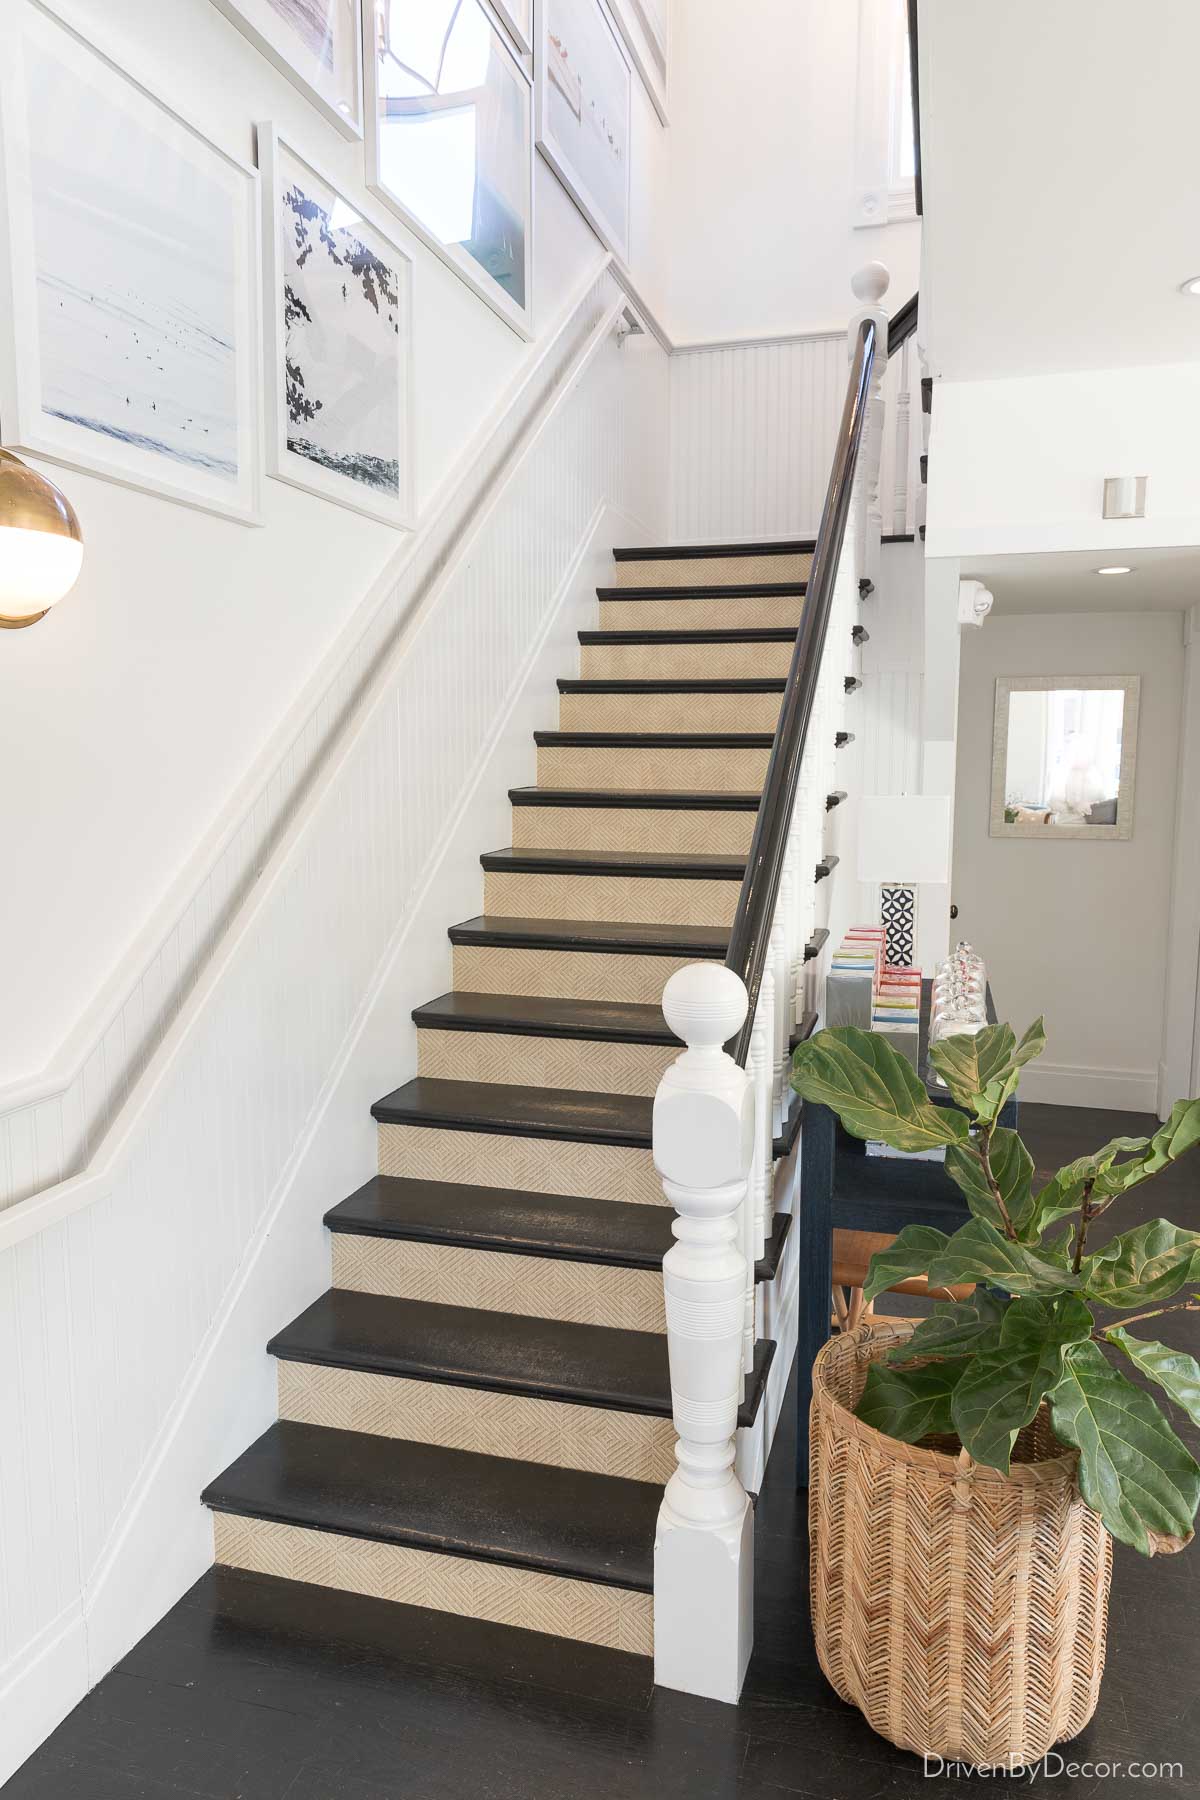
(703, 1144)
(870, 284)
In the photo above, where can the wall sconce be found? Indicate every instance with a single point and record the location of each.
(41, 545)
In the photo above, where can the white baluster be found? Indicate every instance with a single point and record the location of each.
(781, 1030)
(703, 1144)
(759, 1063)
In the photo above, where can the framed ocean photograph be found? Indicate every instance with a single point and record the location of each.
(338, 298)
(317, 44)
(449, 112)
(129, 263)
(645, 27)
(583, 81)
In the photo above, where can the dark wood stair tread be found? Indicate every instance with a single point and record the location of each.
(512, 1111)
(687, 865)
(742, 634)
(497, 929)
(656, 740)
(681, 552)
(457, 1502)
(524, 1015)
(508, 1353)
(508, 1221)
(729, 684)
(636, 798)
(734, 590)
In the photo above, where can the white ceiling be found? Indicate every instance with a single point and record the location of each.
(1161, 581)
(1060, 168)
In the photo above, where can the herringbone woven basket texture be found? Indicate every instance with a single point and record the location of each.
(962, 1611)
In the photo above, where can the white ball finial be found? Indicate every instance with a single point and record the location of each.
(870, 283)
(705, 1004)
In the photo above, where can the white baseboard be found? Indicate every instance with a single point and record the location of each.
(163, 1541)
(1068, 1084)
(40, 1686)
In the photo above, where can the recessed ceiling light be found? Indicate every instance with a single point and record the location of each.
(1191, 286)
(1115, 569)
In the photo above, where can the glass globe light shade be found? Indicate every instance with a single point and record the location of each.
(41, 544)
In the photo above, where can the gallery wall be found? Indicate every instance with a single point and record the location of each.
(762, 173)
(1074, 930)
(135, 713)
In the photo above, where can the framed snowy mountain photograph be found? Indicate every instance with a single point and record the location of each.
(129, 330)
(338, 295)
(317, 44)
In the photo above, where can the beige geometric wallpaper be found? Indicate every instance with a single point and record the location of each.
(535, 1165)
(542, 1287)
(618, 1617)
(639, 1446)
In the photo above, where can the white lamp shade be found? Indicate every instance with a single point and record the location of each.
(904, 837)
(36, 569)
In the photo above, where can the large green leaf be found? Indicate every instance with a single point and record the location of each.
(911, 1254)
(978, 1252)
(1133, 1470)
(1012, 1168)
(909, 1404)
(1005, 1384)
(1146, 1157)
(955, 1328)
(873, 1090)
(1149, 1263)
(968, 1061)
(1176, 1373)
(1063, 1193)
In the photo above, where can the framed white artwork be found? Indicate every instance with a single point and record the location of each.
(450, 142)
(317, 44)
(517, 16)
(645, 27)
(583, 81)
(129, 263)
(338, 299)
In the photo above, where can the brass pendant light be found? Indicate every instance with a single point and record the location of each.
(41, 544)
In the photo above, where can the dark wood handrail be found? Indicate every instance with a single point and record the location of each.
(915, 80)
(902, 324)
(752, 921)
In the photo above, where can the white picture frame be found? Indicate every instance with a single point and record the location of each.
(517, 18)
(336, 93)
(645, 27)
(515, 308)
(130, 279)
(1121, 829)
(348, 457)
(582, 76)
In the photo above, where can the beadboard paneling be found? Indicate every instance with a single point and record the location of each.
(49, 1133)
(106, 1316)
(751, 438)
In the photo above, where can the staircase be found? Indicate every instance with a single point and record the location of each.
(476, 1416)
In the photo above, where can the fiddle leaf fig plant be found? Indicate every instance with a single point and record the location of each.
(1028, 1332)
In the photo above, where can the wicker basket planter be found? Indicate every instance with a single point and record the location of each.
(962, 1611)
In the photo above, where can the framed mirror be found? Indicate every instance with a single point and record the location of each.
(1064, 756)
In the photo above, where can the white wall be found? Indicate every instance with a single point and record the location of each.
(1019, 464)
(129, 716)
(1076, 931)
(762, 172)
(137, 1299)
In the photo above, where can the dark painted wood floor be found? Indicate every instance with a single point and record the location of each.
(254, 1689)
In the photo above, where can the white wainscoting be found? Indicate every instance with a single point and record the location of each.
(751, 437)
(50, 1129)
(135, 1299)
